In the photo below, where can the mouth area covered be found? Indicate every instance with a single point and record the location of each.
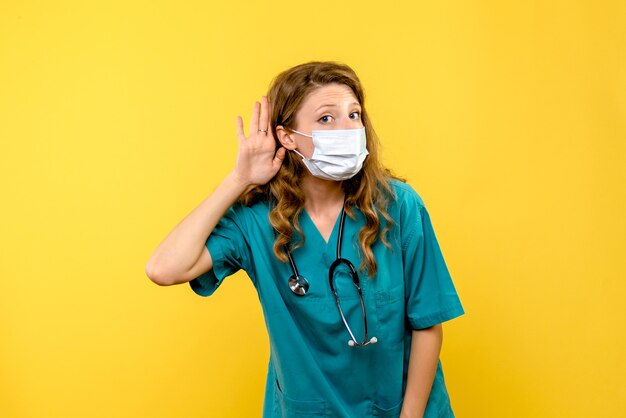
(338, 143)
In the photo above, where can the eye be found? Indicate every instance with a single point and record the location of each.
(355, 115)
(325, 119)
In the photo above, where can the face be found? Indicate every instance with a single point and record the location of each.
(333, 106)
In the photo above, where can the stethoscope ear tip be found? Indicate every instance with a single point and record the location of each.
(372, 340)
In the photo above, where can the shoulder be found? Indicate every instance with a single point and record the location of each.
(405, 196)
(257, 213)
(409, 212)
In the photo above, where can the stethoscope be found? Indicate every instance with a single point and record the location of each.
(299, 285)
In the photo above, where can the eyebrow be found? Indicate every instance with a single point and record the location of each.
(333, 105)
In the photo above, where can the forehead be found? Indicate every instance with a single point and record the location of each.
(328, 94)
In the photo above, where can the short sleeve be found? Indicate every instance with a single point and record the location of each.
(229, 252)
(431, 297)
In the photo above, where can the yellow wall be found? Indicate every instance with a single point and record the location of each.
(118, 118)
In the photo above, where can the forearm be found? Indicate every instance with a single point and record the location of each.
(423, 359)
(182, 247)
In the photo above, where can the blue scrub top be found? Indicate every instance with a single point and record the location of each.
(312, 370)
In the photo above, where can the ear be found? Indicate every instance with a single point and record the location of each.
(285, 138)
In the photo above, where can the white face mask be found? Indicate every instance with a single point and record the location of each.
(338, 154)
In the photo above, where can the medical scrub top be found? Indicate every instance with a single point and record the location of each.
(312, 370)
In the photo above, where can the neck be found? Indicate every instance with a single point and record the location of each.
(320, 195)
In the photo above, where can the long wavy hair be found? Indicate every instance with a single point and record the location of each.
(369, 190)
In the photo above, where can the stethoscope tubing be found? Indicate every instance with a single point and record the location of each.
(299, 285)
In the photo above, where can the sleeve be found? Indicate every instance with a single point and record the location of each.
(229, 251)
(431, 297)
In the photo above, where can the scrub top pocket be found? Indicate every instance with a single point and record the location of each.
(393, 412)
(287, 407)
(390, 316)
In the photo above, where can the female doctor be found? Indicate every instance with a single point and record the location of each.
(343, 255)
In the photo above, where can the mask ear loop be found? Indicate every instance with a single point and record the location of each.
(296, 151)
(298, 132)
(301, 156)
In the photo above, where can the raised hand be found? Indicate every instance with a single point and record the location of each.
(257, 158)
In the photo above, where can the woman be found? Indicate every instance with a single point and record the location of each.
(351, 338)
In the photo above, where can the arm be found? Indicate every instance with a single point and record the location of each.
(425, 348)
(182, 255)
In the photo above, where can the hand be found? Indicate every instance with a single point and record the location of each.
(257, 158)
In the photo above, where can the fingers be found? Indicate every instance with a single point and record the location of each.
(278, 159)
(240, 134)
(264, 119)
(254, 120)
(259, 121)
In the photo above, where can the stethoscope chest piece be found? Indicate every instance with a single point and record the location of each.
(298, 285)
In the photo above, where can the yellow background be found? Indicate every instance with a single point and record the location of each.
(117, 118)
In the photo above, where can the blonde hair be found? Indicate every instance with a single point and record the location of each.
(369, 190)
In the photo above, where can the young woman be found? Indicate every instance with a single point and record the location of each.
(343, 255)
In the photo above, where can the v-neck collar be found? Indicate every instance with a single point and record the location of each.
(333, 234)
